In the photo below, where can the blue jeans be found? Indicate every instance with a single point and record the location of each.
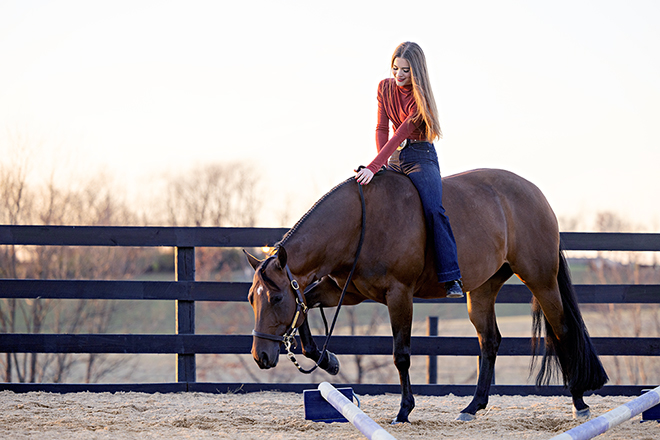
(419, 162)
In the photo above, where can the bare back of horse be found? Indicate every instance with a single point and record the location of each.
(486, 208)
(502, 224)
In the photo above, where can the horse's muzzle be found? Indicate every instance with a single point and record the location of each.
(266, 359)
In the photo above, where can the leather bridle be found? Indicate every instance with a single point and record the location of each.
(289, 337)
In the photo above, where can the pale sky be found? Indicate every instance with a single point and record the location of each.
(564, 93)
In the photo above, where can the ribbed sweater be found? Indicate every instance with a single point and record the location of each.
(397, 105)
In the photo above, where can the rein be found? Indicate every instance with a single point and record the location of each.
(289, 337)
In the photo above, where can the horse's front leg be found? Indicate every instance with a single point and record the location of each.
(329, 363)
(399, 306)
(481, 308)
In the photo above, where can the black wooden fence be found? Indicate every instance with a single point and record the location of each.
(185, 291)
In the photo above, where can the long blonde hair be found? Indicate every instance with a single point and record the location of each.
(427, 111)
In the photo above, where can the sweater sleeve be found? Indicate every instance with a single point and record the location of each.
(390, 146)
(383, 125)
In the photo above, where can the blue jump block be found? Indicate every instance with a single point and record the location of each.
(318, 409)
(653, 413)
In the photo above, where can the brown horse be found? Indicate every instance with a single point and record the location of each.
(503, 225)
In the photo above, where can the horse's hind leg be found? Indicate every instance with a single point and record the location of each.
(567, 340)
(548, 307)
(481, 308)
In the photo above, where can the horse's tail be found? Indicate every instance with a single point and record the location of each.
(574, 355)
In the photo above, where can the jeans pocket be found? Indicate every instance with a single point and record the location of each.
(420, 153)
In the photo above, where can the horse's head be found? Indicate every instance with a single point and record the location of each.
(276, 312)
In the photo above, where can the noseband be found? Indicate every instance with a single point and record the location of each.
(289, 337)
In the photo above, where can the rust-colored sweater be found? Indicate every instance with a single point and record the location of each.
(396, 104)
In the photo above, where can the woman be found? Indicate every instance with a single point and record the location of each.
(407, 101)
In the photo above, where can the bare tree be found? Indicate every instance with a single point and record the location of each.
(213, 195)
(94, 203)
(216, 195)
(15, 201)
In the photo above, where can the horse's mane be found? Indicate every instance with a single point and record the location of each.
(311, 210)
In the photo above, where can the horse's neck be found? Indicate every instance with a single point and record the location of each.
(312, 255)
(303, 261)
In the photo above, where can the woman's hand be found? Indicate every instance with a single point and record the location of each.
(364, 176)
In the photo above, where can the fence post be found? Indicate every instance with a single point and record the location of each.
(432, 362)
(185, 313)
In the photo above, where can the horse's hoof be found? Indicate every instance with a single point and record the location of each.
(333, 364)
(465, 417)
(401, 417)
(581, 414)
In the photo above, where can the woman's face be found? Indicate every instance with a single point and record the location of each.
(401, 72)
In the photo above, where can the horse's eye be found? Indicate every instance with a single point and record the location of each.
(275, 299)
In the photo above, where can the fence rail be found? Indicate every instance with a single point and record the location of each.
(237, 291)
(169, 236)
(240, 344)
(185, 291)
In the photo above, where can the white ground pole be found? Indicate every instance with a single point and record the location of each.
(355, 415)
(610, 419)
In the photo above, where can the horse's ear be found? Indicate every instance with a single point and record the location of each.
(281, 256)
(254, 261)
